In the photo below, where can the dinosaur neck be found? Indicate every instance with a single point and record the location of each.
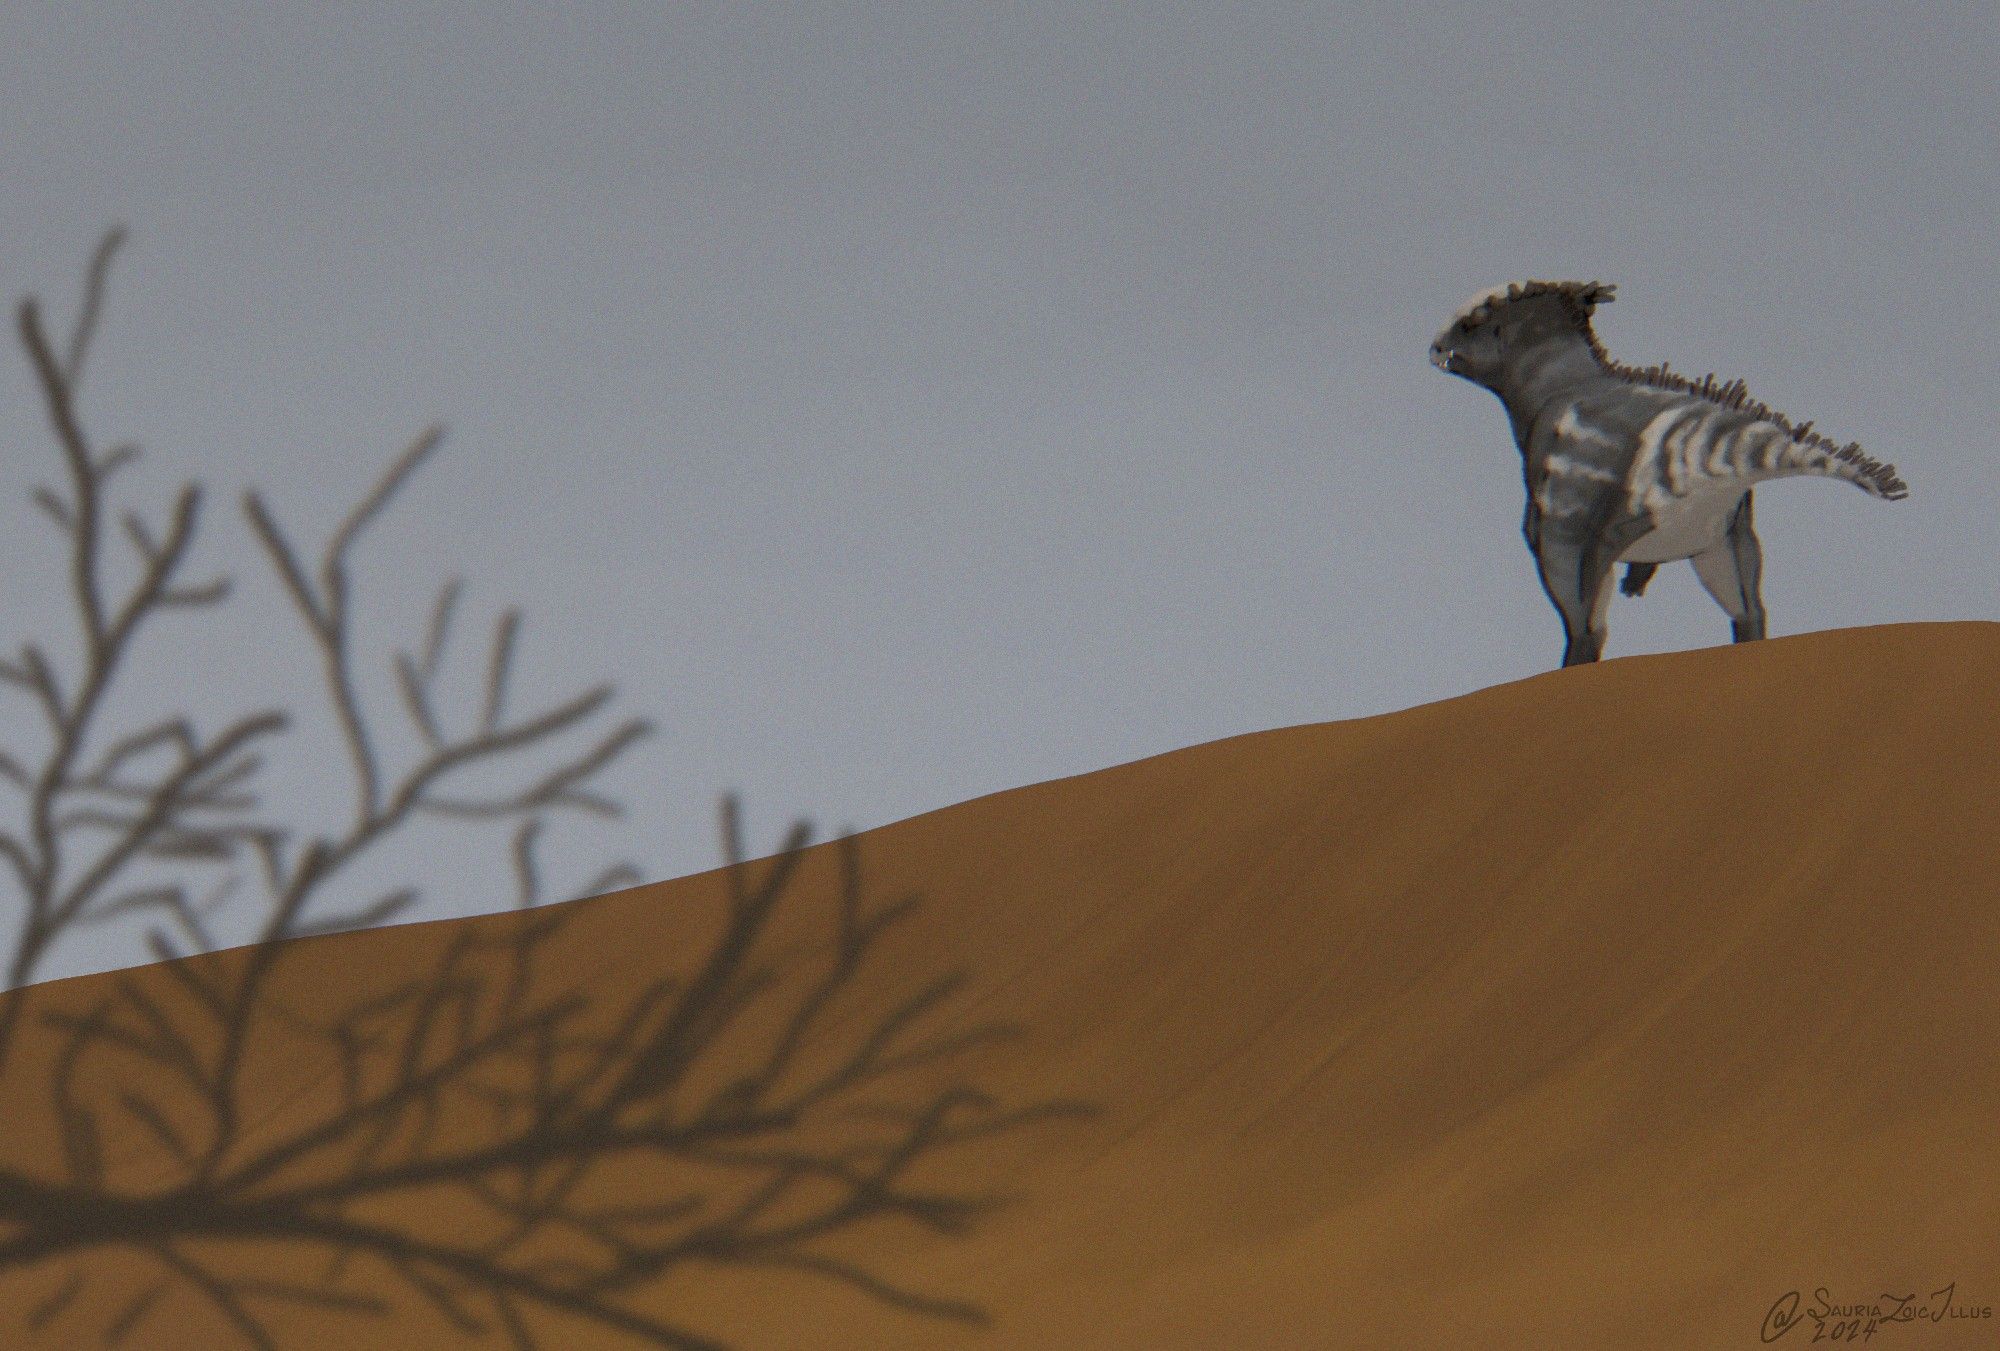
(1539, 372)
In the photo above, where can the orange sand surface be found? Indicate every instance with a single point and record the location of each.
(1597, 1010)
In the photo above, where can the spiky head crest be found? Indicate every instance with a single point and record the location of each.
(1579, 298)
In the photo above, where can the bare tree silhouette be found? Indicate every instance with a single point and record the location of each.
(101, 805)
(484, 1137)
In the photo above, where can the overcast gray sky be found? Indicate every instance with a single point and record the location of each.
(903, 403)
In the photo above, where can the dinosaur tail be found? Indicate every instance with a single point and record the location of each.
(1770, 449)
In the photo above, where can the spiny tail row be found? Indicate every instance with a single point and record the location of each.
(1736, 395)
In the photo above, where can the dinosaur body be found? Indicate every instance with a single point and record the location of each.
(1642, 467)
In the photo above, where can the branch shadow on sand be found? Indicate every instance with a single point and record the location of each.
(484, 1126)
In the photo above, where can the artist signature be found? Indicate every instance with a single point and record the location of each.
(1859, 1320)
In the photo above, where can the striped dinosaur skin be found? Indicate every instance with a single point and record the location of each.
(1627, 465)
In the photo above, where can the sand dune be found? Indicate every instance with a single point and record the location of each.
(1597, 1010)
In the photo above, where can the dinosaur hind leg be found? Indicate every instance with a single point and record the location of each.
(1732, 572)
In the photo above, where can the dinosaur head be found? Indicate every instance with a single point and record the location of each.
(1496, 325)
